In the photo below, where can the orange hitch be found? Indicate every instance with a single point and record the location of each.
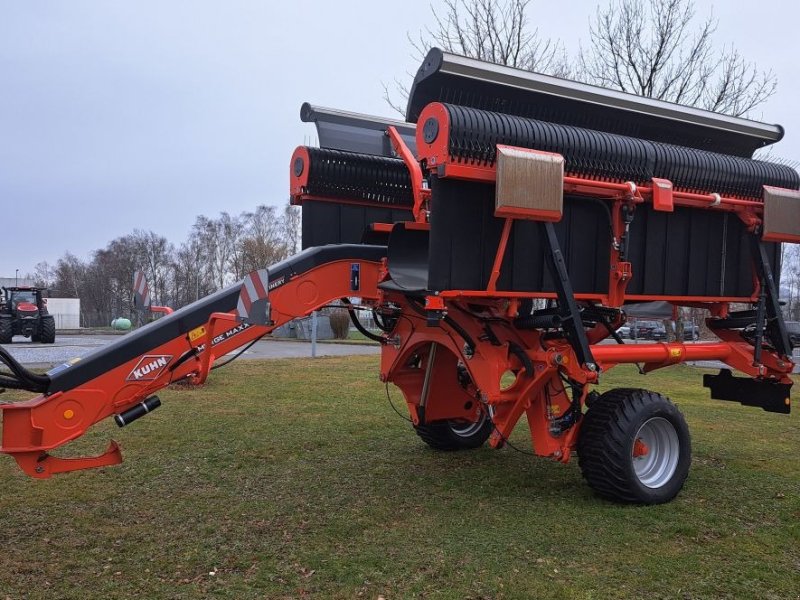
(42, 465)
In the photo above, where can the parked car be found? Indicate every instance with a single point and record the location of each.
(794, 333)
(624, 331)
(643, 330)
(691, 332)
(659, 332)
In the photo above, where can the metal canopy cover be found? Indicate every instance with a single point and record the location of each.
(446, 77)
(354, 132)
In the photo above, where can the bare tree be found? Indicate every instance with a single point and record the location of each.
(497, 31)
(192, 279)
(291, 224)
(265, 241)
(154, 255)
(657, 49)
(221, 240)
(70, 272)
(44, 274)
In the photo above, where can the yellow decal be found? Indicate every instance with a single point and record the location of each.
(675, 352)
(194, 334)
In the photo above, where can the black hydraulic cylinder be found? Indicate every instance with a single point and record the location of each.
(534, 321)
(137, 412)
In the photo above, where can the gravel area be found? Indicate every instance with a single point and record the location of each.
(67, 347)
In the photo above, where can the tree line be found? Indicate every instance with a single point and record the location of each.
(218, 252)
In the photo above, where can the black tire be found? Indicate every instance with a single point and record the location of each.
(455, 435)
(6, 330)
(47, 330)
(616, 422)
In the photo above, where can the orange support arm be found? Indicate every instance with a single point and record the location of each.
(33, 428)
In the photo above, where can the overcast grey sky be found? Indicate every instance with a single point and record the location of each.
(123, 115)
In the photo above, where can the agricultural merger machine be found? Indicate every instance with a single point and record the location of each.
(498, 236)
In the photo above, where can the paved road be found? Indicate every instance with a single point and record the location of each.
(73, 346)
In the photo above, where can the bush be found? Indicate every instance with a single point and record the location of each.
(340, 323)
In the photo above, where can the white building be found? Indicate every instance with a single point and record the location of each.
(66, 312)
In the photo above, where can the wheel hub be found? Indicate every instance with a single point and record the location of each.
(640, 448)
(655, 452)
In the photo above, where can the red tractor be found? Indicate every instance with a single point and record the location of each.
(23, 311)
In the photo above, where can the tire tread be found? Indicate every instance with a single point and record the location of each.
(47, 332)
(604, 445)
(439, 436)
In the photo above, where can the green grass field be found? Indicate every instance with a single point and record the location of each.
(294, 478)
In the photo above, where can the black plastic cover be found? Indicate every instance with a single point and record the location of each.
(334, 223)
(689, 252)
(465, 234)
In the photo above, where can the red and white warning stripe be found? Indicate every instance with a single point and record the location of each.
(141, 291)
(253, 305)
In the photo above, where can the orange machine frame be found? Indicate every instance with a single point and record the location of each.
(452, 332)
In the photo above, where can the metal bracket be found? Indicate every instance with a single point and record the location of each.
(776, 327)
(570, 314)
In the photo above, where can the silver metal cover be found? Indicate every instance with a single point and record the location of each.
(355, 132)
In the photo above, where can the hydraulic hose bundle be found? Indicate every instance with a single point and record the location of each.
(20, 378)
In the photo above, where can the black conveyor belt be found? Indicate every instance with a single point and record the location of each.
(474, 135)
(358, 177)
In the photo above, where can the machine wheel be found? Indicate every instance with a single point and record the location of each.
(47, 333)
(6, 330)
(456, 435)
(634, 447)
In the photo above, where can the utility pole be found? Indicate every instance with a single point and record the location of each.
(314, 334)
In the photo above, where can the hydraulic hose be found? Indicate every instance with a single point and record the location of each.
(363, 330)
